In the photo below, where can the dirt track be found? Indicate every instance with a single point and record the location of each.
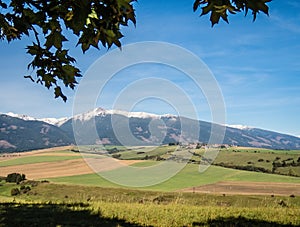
(247, 188)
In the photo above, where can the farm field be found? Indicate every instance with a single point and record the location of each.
(218, 197)
(65, 166)
(73, 205)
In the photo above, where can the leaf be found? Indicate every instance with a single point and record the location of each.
(3, 5)
(81, 10)
(207, 9)
(55, 39)
(58, 93)
(69, 16)
(220, 8)
(214, 18)
(225, 17)
(29, 77)
(196, 5)
(33, 50)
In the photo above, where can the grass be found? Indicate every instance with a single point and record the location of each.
(229, 157)
(188, 177)
(136, 215)
(260, 158)
(79, 201)
(186, 215)
(46, 192)
(70, 205)
(262, 150)
(5, 188)
(36, 159)
(142, 152)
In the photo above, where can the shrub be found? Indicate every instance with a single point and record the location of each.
(15, 191)
(24, 189)
(15, 178)
(116, 156)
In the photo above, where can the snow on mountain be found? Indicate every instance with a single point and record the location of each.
(140, 129)
(134, 114)
(21, 116)
(89, 115)
(54, 121)
(102, 112)
(242, 127)
(51, 121)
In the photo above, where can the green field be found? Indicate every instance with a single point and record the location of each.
(90, 200)
(284, 162)
(188, 177)
(36, 159)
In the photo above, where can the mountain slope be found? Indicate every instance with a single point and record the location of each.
(167, 127)
(20, 135)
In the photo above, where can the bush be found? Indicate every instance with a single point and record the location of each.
(15, 191)
(24, 189)
(15, 178)
(116, 156)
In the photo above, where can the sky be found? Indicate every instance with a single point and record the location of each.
(256, 65)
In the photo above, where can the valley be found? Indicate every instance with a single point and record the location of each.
(61, 183)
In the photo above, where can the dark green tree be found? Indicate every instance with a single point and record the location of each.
(91, 22)
(15, 177)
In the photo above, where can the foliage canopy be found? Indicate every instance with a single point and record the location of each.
(91, 22)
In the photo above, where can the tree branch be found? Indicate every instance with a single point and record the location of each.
(36, 35)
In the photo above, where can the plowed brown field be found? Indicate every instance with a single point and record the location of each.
(60, 168)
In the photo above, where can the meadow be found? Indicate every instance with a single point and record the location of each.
(218, 197)
(72, 205)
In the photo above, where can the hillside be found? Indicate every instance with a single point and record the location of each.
(22, 133)
(167, 129)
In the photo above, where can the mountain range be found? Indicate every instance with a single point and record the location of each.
(116, 127)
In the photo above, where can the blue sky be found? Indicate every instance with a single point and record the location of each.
(257, 65)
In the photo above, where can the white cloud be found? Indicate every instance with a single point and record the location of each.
(285, 23)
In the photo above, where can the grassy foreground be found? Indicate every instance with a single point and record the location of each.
(50, 204)
(124, 214)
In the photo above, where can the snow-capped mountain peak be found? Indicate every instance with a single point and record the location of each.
(52, 121)
(21, 116)
(102, 112)
(242, 127)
